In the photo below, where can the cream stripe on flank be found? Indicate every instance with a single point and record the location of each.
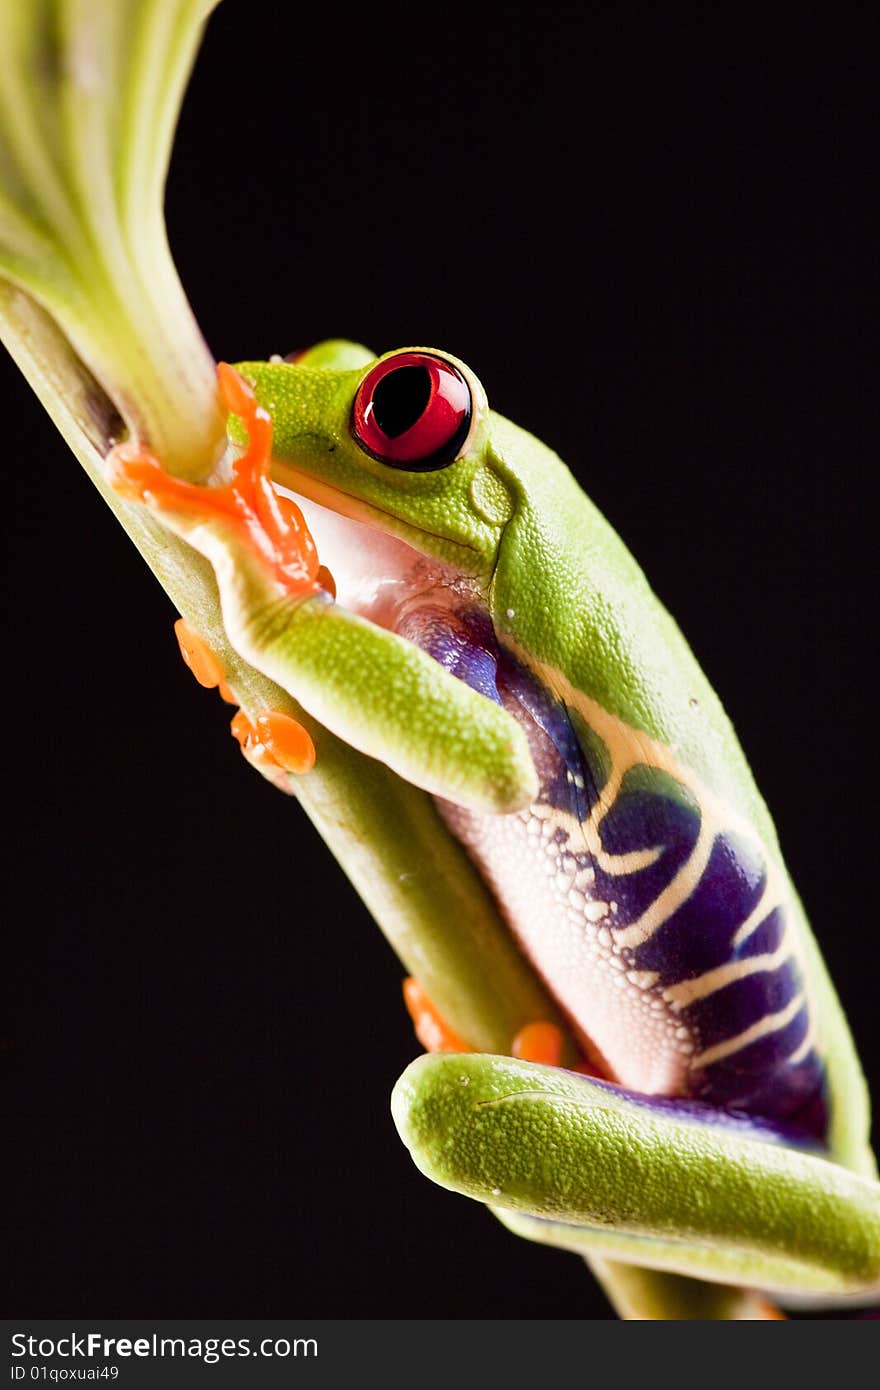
(627, 748)
(673, 896)
(801, 1052)
(771, 1023)
(762, 909)
(679, 996)
(615, 865)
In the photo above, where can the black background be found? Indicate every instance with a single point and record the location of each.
(651, 244)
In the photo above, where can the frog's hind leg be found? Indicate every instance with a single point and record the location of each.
(665, 1185)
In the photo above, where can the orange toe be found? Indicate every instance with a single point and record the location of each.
(204, 664)
(286, 741)
(538, 1042)
(431, 1031)
(236, 393)
(274, 740)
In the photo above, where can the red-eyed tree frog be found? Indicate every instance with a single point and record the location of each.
(684, 1095)
(499, 731)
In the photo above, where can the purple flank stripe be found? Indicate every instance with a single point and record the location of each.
(748, 1126)
(793, 1095)
(765, 938)
(736, 1007)
(464, 643)
(759, 1078)
(576, 787)
(766, 1053)
(641, 819)
(697, 937)
(645, 817)
(755, 1089)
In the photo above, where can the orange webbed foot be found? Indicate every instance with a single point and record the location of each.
(271, 525)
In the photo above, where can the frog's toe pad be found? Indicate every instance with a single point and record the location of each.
(431, 1031)
(274, 741)
(538, 1042)
(204, 664)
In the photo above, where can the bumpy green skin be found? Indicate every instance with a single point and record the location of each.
(360, 681)
(599, 1175)
(616, 1180)
(510, 513)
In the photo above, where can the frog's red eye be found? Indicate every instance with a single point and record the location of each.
(412, 411)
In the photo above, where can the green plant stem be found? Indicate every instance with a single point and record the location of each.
(386, 834)
(92, 310)
(89, 96)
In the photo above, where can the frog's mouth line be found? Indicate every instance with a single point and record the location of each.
(301, 485)
(378, 574)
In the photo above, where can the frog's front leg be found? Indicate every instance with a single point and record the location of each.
(664, 1184)
(378, 692)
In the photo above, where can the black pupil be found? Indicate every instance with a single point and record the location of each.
(399, 399)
